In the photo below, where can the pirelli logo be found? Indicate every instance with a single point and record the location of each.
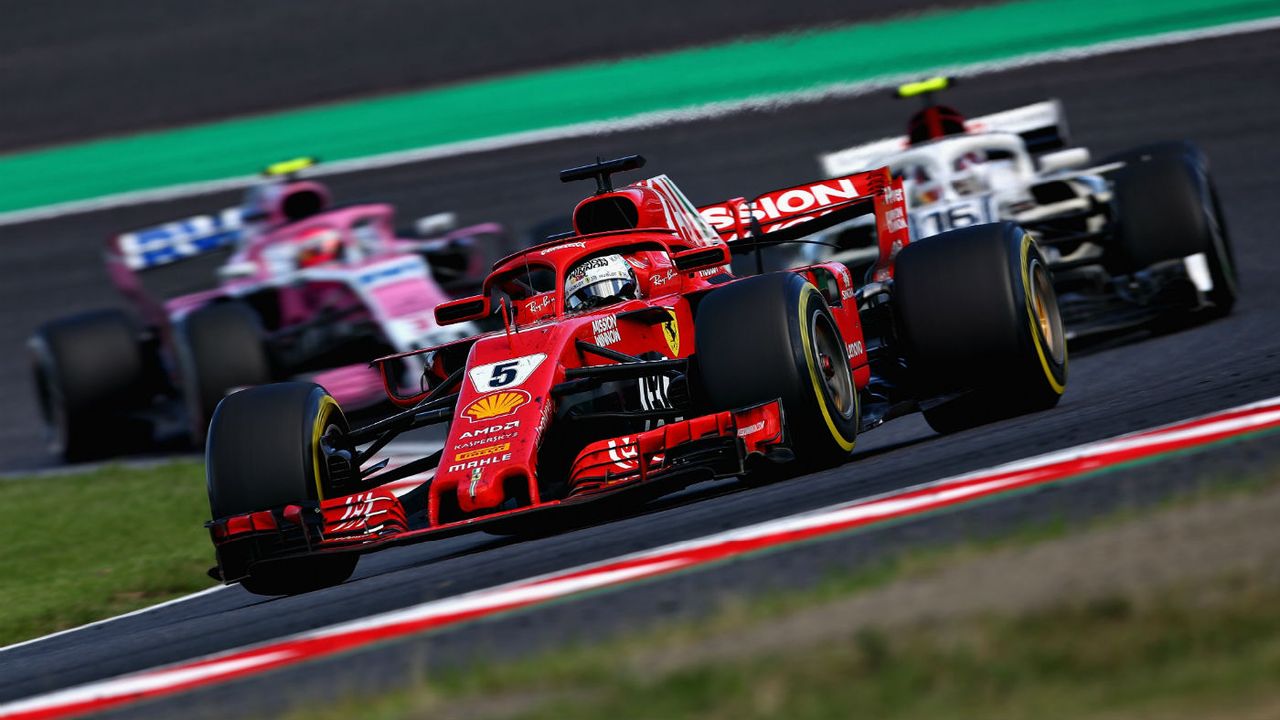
(482, 452)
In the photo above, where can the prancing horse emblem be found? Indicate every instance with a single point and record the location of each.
(671, 331)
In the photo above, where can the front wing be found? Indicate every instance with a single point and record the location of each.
(607, 476)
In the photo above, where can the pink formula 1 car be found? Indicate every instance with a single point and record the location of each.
(299, 290)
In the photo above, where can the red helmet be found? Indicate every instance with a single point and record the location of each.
(319, 246)
(933, 122)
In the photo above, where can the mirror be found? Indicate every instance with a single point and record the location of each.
(476, 307)
(238, 270)
(701, 258)
(1068, 159)
(433, 225)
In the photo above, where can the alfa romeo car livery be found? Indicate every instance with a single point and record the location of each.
(1137, 239)
(632, 362)
(299, 289)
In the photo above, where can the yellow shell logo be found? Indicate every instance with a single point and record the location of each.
(671, 331)
(496, 404)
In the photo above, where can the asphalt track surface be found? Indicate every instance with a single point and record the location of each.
(1219, 93)
(81, 68)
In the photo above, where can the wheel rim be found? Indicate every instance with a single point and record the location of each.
(1044, 303)
(833, 365)
(336, 460)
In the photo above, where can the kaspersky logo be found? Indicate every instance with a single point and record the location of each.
(495, 405)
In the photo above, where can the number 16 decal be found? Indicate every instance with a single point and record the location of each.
(958, 215)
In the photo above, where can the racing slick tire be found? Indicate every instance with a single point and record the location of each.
(220, 348)
(90, 372)
(773, 337)
(1167, 209)
(980, 325)
(277, 445)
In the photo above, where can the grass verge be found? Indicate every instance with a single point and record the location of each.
(1167, 612)
(78, 548)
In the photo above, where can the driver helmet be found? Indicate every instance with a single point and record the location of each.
(599, 281)
(934, 122)
(319, 246)
(923, 187)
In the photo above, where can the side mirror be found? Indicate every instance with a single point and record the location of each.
(1064, 160)
(476, 307)
(438, 224)
(238, 270)
(701, 258)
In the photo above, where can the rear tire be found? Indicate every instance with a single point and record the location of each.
(278, 445)
(1167, 209)
(89, 374)
(773, 337)
(1163, 149)
(978, 316)
(220, 348)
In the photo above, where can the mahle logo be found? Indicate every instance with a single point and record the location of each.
(499, 404)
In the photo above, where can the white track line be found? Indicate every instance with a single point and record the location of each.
(104, 621)
(400, 453)
(640, 121)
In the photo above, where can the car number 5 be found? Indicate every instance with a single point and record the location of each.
(503, 374)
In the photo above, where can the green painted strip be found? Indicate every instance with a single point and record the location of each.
(598, 91)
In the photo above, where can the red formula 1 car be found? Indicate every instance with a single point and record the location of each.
(633, 363)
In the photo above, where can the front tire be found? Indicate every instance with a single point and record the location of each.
(773, 337)
(980, 322)
(278, 445)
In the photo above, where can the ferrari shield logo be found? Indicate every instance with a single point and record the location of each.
(671, 331)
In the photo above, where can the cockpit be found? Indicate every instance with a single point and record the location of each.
(961, 166)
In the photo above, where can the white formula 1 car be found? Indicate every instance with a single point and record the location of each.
(1136, 239)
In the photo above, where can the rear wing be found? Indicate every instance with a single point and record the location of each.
(179, 240)
(1042, 125)
(789, 214)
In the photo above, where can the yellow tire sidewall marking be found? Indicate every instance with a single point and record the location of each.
(1037, 338)
(328, 406)
(847, 445)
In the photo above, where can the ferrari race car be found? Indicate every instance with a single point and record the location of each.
(1138, 239)
(631, 362)
(300, 289)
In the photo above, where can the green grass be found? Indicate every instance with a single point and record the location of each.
(1103, 659)
(79, 548)
(1176, 652)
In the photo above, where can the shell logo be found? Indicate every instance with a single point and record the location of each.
(494, 405)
